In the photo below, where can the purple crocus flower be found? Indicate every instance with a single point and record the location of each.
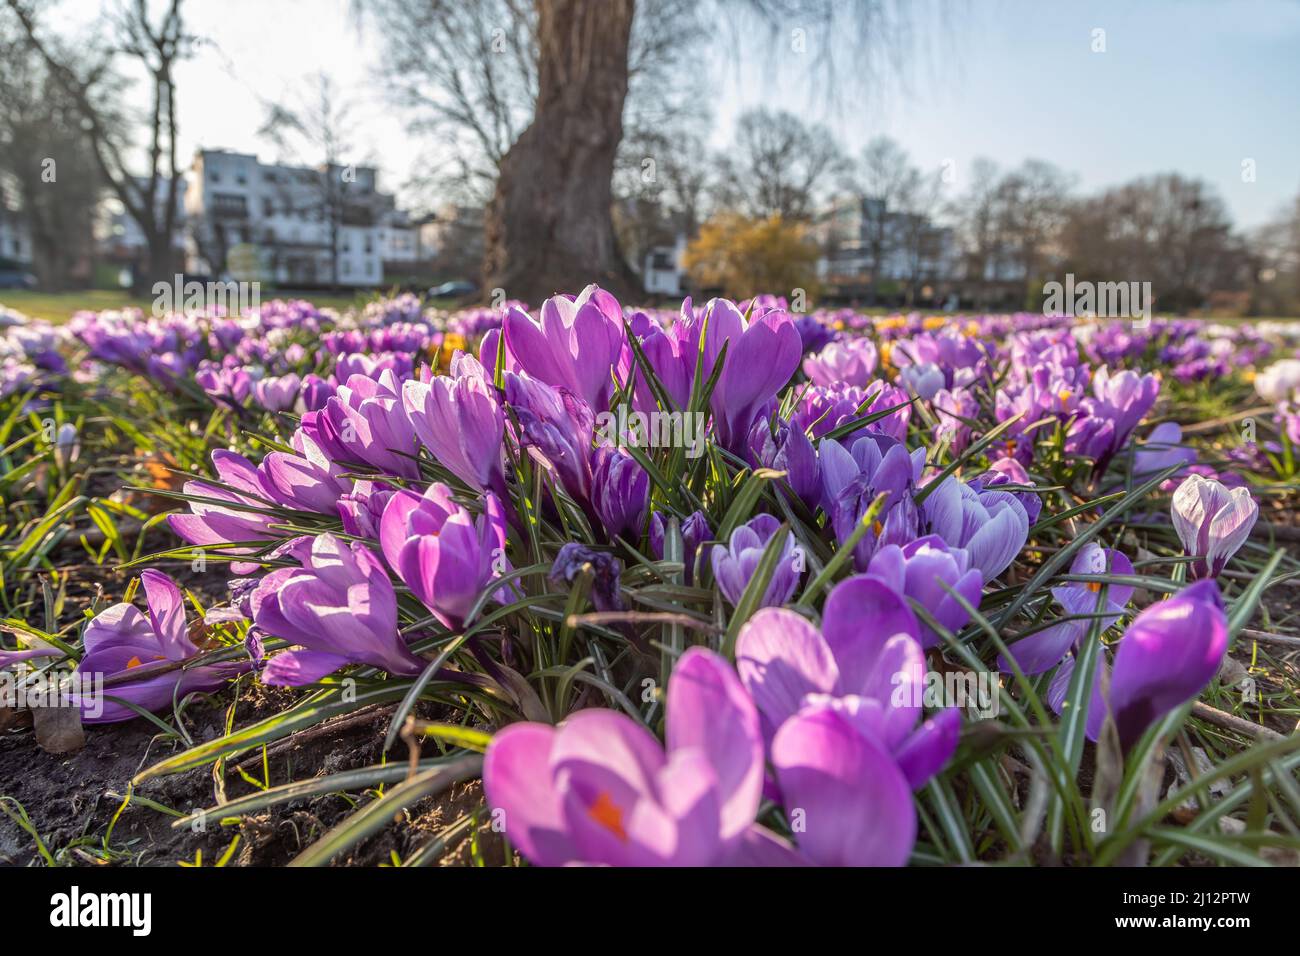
(606, 571)
(991, 525)
(1167, 656)
(924, 378)
(238, 513)
(1162, 448)
(308, 480)
(277, 393)
(120, 640)
(846, 362)
(600, 788)
(1044, 649)
(950, 408)
(558, 429)
(920, 570)
(852, 479)
(735, 563)
(813, 334)
(840, 707)
(1212, 522)
(316, 391)
(579, 344)
(445, 556)
(1288, 414)
(365, 422)
(225, 386)
(339, 607)
(620, 492)
(821, 410)
(1008, 471)
(671, 352)
(362, 509)
(1117, 405)
(762, 355)
(459, 419)
(695, 531)
(785, 448)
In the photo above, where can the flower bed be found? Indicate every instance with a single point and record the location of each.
(724, 586)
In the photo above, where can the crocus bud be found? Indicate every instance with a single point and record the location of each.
(1167, 656)
(695, 531)
(786, 448)
(620, 492)
(66, 446)
(1212, 522)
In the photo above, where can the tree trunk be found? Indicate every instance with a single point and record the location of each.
(549, 227)
(160, 264)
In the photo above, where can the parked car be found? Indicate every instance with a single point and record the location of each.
(456, 289)
(16, 279)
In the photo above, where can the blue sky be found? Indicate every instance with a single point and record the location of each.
(1189, 85)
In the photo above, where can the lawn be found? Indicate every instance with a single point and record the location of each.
(58, 307)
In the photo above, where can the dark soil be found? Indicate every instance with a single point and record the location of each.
(71, 799)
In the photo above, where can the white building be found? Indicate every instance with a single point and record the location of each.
(912, 250)
(308, 227)
(15, 240)
(664, 272)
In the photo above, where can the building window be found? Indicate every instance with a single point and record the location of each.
(268, 207)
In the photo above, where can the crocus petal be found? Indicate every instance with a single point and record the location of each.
(1044, 649)
(929, 747)
(1230, 528)
(846, 797)
(861, 616)
(301, 667)
(517, 782)
(709, 710)
(781, 658)
(995, 545)
(167, 613)
(1166, 657)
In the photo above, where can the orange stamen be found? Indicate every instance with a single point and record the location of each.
(607, 813)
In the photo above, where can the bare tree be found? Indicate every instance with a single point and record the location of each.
(466, 75)
(85, 77)
(1276, 246)
(550, 222)
(1168, 230)
(1031, 205)
(882, 180)
(779, 165)
(660, 188)
(975, 213)
(47, 166)
(919, 238)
